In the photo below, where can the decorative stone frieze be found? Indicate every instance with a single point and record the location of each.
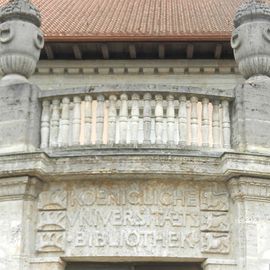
(254, 189)
(21, 40)
(251, 38)
(111, 67)
(215, 221)
(23, 187)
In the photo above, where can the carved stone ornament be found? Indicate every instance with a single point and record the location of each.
(251, 38)
(21, 40)
(21, 10)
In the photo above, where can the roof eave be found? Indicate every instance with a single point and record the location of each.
(131, 38)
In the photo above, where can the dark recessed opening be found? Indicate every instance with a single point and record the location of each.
(134, 266)
(137, 50)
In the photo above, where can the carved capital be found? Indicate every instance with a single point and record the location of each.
(19, 188)
(246, 188)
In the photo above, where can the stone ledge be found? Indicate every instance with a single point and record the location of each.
(135, 164)
(17, 188)
(222, 264)
(151, 88)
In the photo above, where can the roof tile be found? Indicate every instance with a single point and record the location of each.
(137, 19)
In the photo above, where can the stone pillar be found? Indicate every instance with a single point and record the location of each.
(251, 44)
(251, 206)
(17, 221)
(19, 118)
(20, 43)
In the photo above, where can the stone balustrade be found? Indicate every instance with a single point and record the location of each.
(187, 117)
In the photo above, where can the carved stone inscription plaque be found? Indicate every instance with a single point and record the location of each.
(134, 218)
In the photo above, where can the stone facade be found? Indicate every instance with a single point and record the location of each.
(136, 172)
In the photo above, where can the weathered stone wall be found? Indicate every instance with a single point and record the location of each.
(251, 115)
(17, 221)
(20, 118)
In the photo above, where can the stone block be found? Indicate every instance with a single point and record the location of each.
(48, 263)
(73, 70)
(251, 116)
(19, 118)
(219, 264)
(148, 70)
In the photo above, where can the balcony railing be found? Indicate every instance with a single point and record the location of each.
(162, 116)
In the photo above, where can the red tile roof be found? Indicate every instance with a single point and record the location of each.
(141, 20)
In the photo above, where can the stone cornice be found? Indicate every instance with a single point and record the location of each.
(136, 67)
(135, 163)
(249, 188)
(18, 188)
(108, 89)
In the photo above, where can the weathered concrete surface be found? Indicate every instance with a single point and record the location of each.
(251, 116)
(19, 118)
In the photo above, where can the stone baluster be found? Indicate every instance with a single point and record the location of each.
(135, 118)
(112, 119)
(170, 119)
(226, 126)
(194, 121)
(64, 123)
(205, 122)
(123, 118)
(87, 119)
(45, 124)
(159, 119)
(182, 115)
(100, 119)
(76, 121)
(55, 123)
(70, 135)
(216, 124)
(147, 111)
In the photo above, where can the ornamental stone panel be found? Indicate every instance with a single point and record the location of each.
(134, 218)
